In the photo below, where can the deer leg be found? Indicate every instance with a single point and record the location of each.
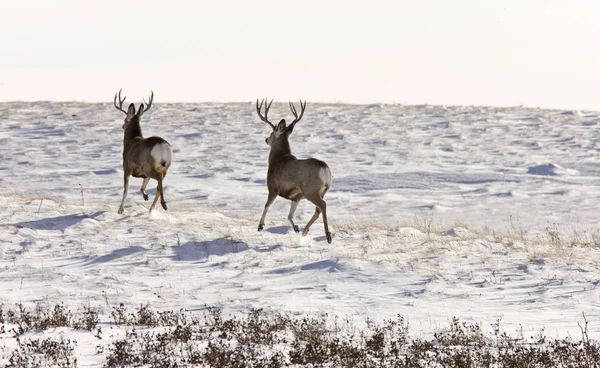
(143, 189)
(270, 201)
(325, 226)
(162, 194)
(125, 187)
(321, 207)
(159, 192)
(312, 219)
(291, 215)
(155, 200)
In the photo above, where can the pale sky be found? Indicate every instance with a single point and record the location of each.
(498, 53)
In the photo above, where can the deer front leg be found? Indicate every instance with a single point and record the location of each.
(270, 199)
(143, 188)
(125, 187)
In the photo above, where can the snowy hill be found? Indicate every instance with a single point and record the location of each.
(436, 212)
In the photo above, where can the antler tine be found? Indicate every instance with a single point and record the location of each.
(120, 107)
(302, 108)
(149, 101)
(267, 107)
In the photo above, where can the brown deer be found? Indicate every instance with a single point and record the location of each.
(291, 178)
(147, 158)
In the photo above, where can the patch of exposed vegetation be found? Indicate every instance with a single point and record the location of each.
(259, 339)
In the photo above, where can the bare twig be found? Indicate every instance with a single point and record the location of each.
(81, 191)
(585, 338)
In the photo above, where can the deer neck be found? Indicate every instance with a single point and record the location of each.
(133, 132)
(278, 151)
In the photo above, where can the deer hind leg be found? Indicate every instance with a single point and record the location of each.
(291, 215)
(270, 200)
(312, 219)
(125, 187)
(143, 188)
(321, 207)
(159, 192)
(163, 203)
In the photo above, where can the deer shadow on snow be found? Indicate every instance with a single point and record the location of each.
(196, 251)
(200, 251)
(118, 254)
(286, 229)
(60, 222)
(281, 230)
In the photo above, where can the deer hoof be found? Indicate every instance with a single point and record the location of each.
(328, 235)
(296, 228)
(120, 211)
(305, 232)
(260, 227)
(145, 196)
(164, 205)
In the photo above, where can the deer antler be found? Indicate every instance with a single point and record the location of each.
(267, 106)
(302, 108)
(149, 101)
(120, 107)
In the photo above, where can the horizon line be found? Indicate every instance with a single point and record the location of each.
(319, 102)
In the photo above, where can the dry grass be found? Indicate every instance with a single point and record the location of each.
(259, 339)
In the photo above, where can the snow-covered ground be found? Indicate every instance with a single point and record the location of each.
(437, 212)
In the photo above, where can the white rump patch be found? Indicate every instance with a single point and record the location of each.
(161, 153)
(325, 175)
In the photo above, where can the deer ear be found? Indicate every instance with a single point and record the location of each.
(281, 126)
(290, 129)
(131, 110)
(141, 110)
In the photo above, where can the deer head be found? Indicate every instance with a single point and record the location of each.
(131, 115)
(281, 131)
